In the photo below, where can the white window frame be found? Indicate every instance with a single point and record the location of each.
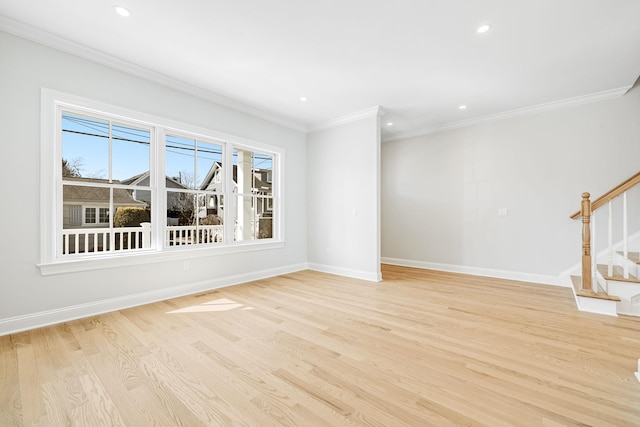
(51, 262)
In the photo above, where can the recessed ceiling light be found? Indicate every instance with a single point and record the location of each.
(121, 10)
(390, 124)
(303, 99)
(462, 107)
(483, 28)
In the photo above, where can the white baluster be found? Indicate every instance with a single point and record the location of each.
(610, 259)
(625, 233)
(594, 251)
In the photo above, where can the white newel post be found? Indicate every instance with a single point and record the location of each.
(146, 234)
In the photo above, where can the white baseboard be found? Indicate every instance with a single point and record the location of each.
(477, 271)
(64, 314)
(347, 272)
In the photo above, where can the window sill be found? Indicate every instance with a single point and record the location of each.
(150, 257)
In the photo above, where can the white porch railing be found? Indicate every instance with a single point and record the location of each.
(190, 234)
(96, 240)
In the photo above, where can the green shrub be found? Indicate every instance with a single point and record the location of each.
(211, 219)
(130, 217)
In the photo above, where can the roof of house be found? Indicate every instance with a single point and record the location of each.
(137, 179)
(94, 194)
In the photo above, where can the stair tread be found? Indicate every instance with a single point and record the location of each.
(618, 274)
(577, 285)
(598, 295)
(632, 256)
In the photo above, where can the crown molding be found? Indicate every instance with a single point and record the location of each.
(375, 111)
(48, 39)
(518, 112)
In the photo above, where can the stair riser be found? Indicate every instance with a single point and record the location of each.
(628, 293)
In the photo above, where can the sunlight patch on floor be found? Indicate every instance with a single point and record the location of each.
(221, 304)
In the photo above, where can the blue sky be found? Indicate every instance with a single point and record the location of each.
(85, 142)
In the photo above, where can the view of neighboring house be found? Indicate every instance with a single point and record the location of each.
(88, 206)
(175, 201)
(261, 185)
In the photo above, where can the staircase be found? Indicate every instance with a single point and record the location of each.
(609, 280)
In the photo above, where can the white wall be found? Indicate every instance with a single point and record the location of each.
(26, 297)
(441, 192)
(343, 211)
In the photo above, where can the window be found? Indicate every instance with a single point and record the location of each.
(193, 163)
(130, 183)
(98, 158)
(254, 193)
(103, 216)
(90, 215)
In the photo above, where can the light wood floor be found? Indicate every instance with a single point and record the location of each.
(420, 348)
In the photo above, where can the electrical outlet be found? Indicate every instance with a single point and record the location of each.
(185, 265)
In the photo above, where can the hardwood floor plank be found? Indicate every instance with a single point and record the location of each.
(311, 349)
(10, 398)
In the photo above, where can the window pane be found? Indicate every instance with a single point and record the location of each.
(81, 195)
(104, 215)
(90, 215)
(263, 173)
(254, 218)
(81, 231)
(210, 229)
(253, 172)
(209, 164)
(132, 228)
(264, 212)
(181, 211)
(246, 220)
(191, 219)
(130, 151)
(180, 208)
(180, 160)
(85, 147)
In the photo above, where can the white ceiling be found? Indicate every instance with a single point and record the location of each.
(419, 59)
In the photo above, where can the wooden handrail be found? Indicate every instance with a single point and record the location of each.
(611, 194)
